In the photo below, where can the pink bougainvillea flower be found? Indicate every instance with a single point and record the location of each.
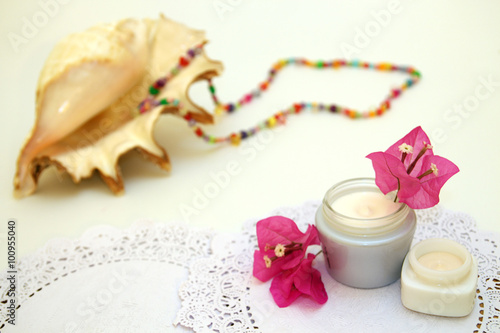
(410, 167)
(281, 255)
(282, 246)
(303, 279)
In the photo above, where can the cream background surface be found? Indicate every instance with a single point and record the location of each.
(456, 46)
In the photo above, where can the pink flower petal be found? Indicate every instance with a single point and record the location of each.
(384, 177)
(308, 280)
(284, 282)
(417, 138)
(277, 229)
(292, 260)
(391, 174)
(260, 271)
(312, 236)
(279, 296)
(303, 279)
(281, 230)
(428, 194)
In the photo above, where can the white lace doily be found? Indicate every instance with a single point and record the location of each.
(112, 280)
(221, 295)
(109, 280)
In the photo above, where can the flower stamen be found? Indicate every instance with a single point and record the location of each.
(420, 154)
(279, 250)
(405, 149)
(433, 170)
(268, 261)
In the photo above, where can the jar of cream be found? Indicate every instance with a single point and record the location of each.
(365, 235)
(439, 277)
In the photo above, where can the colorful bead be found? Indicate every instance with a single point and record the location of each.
(219, 109)
(297, 108)
(395, 93)
(279, 117)
(160, 83)
(183, 62)
(271, 122)
(235, 139)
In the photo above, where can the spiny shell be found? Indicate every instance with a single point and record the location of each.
(87, 95)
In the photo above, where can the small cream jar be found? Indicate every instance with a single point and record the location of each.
(365, 236)
(439, 277)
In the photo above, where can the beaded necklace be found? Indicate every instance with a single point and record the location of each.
(279, 117)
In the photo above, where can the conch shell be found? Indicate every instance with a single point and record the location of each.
(88, 92)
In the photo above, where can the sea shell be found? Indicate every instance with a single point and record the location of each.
(87, 97)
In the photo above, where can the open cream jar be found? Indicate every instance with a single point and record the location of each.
(439, 277)
(365, 236)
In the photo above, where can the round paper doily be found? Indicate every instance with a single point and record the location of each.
(221, 295)
(108, 280)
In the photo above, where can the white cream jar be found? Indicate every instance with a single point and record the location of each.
(365, 236)
(439, 277)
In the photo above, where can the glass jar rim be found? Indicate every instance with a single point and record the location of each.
(373, 225)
